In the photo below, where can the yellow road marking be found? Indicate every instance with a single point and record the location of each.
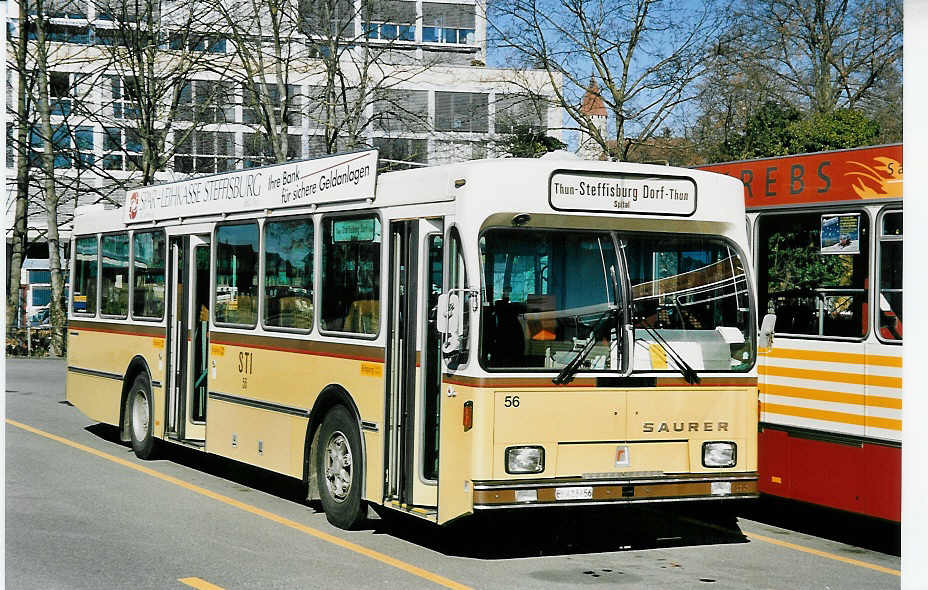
(376, 555)
(199, 584)
(825, 554)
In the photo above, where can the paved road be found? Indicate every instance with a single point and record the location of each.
(83, 512)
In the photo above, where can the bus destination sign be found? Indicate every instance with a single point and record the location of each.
(622, 193)
(342, 177)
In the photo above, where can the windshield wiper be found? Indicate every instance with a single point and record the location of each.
(687, 371)
(570, 369)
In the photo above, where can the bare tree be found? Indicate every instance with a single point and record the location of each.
(46, 160)
(828, 53)
(150, 55)
(645, 54)
(19, 119)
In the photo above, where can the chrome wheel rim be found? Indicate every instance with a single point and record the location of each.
(338, 466)
(140, 414)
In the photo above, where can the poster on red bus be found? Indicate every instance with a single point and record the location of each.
(863, 173)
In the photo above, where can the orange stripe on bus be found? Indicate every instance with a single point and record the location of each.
(833, 376)
(829, 416)
(836, 357)
(832, 396)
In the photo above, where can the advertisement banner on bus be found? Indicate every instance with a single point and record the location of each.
(339, 178)
(855, 174)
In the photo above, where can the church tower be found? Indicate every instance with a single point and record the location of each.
(594, 109)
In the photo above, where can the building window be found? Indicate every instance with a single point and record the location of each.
(890, 305)
(254, 100)
(258, 150)
(65, 9)
(85, 276)
(124, 97)
(461, 111)
(61, 146)
(401, 150)
(351, 275)
(288, 274)
(458, 151)
(401, 111)
(148, 265)
(520, 113)
(122, 149)
(237, 274)
(40, 277)
(390, 20)
(114, 275)
(448, 23)
(204, 152)
(206, 101)
(813, 272)
(41, 296)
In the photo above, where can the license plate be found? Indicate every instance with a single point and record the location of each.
(576, 493)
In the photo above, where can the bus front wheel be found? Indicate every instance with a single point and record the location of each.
(140, 412)
(339, 466)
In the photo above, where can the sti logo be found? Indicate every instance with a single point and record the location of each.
(133, 205)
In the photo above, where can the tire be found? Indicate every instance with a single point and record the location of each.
(140, 415)
(339, 465)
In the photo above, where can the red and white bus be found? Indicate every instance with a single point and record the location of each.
(826, 233)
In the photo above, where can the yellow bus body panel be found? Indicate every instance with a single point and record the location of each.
(659, 430)
(109, 348)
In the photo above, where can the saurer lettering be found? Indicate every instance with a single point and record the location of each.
(684, 427)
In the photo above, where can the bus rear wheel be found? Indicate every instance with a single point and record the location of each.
(339, 466)
(140, 415)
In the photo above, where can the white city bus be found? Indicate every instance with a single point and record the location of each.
(486, 335)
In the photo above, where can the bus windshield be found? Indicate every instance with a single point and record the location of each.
(544, 292)
(693, 292)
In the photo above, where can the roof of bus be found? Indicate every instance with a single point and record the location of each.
(518, 185)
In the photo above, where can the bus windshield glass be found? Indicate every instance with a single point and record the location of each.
(693, 292)
(544, 293)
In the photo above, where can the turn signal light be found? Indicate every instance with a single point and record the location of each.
(468, 416)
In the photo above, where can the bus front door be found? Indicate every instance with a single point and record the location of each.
(411, 425)
(188, 338)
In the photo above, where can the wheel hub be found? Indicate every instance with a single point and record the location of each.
(338, 466)
(140, 416)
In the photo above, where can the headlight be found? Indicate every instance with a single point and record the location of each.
(719, 454)
(525, 459)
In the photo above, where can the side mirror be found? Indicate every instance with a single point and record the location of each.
(766, 330)
(441, 315)
(450, 321)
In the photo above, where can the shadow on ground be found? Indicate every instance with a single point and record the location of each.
(529, 532)
(844, 527)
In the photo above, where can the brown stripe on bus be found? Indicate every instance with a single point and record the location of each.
(300, 346)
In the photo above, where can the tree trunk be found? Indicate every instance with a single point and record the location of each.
(56, 312)
(22, 175)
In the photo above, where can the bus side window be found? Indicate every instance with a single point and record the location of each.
(288, 274)
(148, 268)
(237, 274)
(890, 273)
(85, 276)
(813, 272)
(114, 275)
(350, 299)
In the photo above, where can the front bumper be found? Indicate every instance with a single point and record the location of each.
(588, 492)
